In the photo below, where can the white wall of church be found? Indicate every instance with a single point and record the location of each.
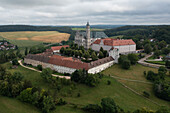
(122, 49)
(59, 69)
(100, 68)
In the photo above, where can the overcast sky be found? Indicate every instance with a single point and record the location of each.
(78, 12)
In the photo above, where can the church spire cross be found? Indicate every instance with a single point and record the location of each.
(88, 24)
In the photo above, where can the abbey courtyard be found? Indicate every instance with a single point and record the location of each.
(104, 53)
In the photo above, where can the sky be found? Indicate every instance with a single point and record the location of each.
(78, 12)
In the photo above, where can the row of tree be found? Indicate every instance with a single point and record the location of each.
(161, 86)
(80, 52)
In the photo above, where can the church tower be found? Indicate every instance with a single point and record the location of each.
(88, 40)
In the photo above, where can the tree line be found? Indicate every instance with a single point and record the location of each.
(80, 52)
(161, 86)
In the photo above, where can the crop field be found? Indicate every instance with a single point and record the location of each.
(42, 36)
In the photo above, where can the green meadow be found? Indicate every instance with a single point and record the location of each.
(125, 98)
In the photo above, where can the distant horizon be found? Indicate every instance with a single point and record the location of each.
(85, 24)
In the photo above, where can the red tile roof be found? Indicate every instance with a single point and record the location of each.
(58, 47)
(115, 42)
(68, 62)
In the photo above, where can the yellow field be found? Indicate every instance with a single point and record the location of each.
(42, 36)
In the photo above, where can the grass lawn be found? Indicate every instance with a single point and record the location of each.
(136, 73)
(30, 38)
(157, 62)
(11, 105)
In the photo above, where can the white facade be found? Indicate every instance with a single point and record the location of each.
(100, 68)
(122, 49)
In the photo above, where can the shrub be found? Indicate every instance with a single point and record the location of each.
(39, 67)
(78, 94)
(94, 108)
(108, 82)
(146, 94)
(61, 102)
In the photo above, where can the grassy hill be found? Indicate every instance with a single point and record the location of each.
(125, 98)
(136, 73)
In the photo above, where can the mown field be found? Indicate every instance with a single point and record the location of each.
(122, 96)
(136, 73)
(84, 29)
(31, 38)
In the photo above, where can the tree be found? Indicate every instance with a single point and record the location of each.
(121, 58)
(62, 50)
(167, 64)
(94, 56)
(80, 53)
(101, 55)
(46, 74)
(39, 67)
(26, 95)
(26, 51)
(147, 48)
(162, 69)
(48, 104)
(76, 53)
(162, 44)
(166, 51)
(108, 105)
(133, 58)
(86, 55)
(126, 64)
(105, 53)
(101, 49)
(15, 62)
(157, 53)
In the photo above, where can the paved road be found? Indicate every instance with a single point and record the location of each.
(20, 62)
(142, 62)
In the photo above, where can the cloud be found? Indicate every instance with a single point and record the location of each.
(77, 12)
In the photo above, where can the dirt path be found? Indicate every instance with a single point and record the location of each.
(131, 80)
(20, 62)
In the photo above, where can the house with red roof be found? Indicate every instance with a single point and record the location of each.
(124, 46)
(56, 49)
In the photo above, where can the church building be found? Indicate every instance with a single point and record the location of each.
(87, 38)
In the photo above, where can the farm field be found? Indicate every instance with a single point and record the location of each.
(122, 96)
(84, 29)
(136, 73)
(34, 37)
